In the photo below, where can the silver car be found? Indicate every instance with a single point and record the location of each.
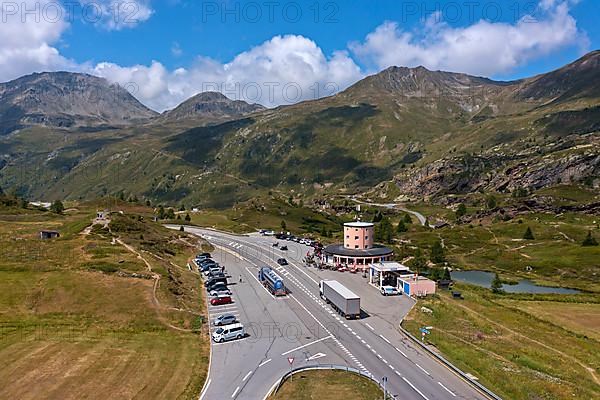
(225, 319)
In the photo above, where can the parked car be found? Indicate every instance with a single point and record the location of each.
(225, 319)
(282, 261)
(283, 248)
(220, 290)
(269, 233)
(212, 281)
(216, 274)
(204, 255)
(217, 287)
(219, 300)
(229, 332)
(389, 291)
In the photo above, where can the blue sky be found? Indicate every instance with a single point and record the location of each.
(166, 47)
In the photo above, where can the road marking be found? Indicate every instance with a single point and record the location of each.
(384, 338)
(370, 327)
(447, 390)
(264, 362)
(247, 376)
(319, 355)
(415, 388)
(237, 389)
(422, 369)
(401, 352)
(306, 345)
(205, 389)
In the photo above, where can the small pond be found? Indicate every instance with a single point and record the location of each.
(483, 278)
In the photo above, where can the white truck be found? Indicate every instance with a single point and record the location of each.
(342, 299)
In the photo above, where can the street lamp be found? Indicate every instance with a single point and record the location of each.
(384, 379)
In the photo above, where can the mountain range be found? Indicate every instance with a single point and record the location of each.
(401, 133)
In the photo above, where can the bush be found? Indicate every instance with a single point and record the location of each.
(528, 234)
(589, 240)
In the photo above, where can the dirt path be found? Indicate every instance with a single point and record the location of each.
(156, 278)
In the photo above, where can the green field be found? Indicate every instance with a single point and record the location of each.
(83, 316)
(328, 385)
(518, 348)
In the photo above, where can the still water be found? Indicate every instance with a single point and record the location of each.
(483, 278)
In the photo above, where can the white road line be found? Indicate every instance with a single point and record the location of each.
(205, 389)
(369, 326)
(401, 352)
(306, 345)
(384, 338)
(447, 390)
(422, 369)
(264, 362)
(415, 388)
(237, 389)
(247, 376)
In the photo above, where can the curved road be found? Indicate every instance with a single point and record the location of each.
(302, 327)
(422, 219)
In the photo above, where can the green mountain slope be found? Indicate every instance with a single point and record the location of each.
(429, 132)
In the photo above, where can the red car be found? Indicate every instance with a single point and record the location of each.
(221, 299)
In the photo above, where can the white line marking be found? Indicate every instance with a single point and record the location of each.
(401, 352)
(447, 390)
(237, 389)
(384, 338)
(205, 389)
(264, 362)
(306, 345)
(369, 326)
(247, 376)
(422, 369)
(415, 388)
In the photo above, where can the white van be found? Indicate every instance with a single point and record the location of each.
(229, 332)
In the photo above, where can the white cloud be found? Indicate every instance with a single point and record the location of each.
(484, 48)
(292, 68)
(115, 14)
(283, 70)
(27, 31)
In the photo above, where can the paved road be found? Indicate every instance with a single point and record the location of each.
(302, 326)
(422, 219)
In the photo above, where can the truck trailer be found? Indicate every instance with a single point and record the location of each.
(272, 281)
(342, 299)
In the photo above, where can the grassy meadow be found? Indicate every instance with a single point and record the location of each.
(328, 385)
(84, 316)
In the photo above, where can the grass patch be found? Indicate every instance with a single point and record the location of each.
(328, 385)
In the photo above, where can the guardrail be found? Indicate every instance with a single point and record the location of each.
(275, 388)
(451, 366)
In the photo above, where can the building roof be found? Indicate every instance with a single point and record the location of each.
(340, 250)
(358, 224)
(389, 266)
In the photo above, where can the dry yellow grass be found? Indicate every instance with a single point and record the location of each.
(74, 324)
(581, 318)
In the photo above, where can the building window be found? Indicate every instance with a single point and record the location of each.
(355, 237)
(356, 230)
(366, 238)
(347, 236)
(356, 246)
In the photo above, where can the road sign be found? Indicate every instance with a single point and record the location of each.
(291, 360)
